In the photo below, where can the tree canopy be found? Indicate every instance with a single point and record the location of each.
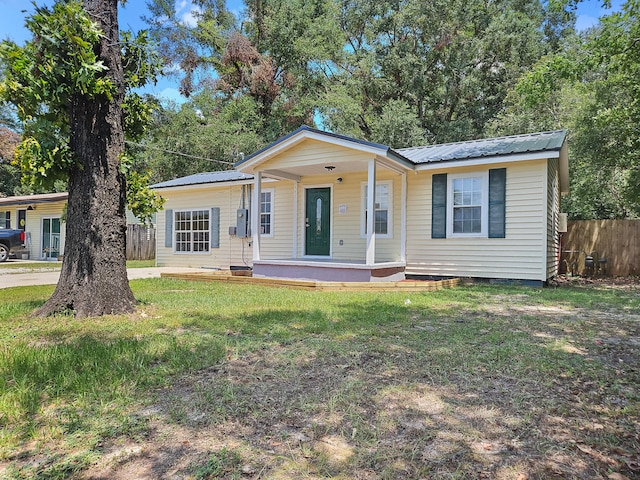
(590, 87)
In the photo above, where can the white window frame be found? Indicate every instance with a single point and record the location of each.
(363, 209)
(271, 191)
(206, 251)
(484, 204)
(3, 219)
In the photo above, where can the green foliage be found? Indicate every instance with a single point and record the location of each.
(43, 78)
(212, 132)
(591, 88)
(142, 201)
(451, 63)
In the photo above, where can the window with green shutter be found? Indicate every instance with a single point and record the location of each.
(469, 205)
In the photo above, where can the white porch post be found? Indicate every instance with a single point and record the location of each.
(403, 218)
(255, 214)
(371, 213)
(296, 183)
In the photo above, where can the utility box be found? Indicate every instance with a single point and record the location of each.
(233, 230)
(242, 223)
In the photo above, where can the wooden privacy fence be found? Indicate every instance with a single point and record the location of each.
(141, 242)
(616, 240)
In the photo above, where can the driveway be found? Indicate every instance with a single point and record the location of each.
(15, 279)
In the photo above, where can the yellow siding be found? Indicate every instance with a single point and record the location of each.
(518, 256)
(232, 251)
(347, 226)
(313, 153)
(280, 245)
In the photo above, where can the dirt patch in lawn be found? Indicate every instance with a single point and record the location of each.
(393, 408)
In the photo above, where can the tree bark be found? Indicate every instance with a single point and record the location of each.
(93, 280)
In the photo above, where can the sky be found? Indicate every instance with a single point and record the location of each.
(13, 12)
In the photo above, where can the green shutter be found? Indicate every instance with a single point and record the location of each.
(497, 201)
(168, 228)
(439, 206)
(215, 227)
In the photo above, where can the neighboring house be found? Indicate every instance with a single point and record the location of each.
(299, 209)
(40, 217)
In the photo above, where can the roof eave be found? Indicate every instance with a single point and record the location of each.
(488, 160)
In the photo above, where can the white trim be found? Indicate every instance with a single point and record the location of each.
(173, 231)
(308, 262)
(364, 209)
(403, 217)
(479, 162)
(281, 175)
(545, 219)
(290, 142)
(295, 219)
(272, 191)
(371, 207)
(208, 185)
(393, 165)
(255, 215)
(41, 239)
(484, 176)
(304, 213)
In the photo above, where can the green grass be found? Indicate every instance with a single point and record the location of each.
(333, 364)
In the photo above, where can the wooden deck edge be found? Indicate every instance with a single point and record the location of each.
(407, 285)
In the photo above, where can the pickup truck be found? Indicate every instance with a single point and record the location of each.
(11, 241)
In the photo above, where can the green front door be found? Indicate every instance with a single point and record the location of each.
(318, 222)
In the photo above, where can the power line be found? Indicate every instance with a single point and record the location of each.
(178, 153)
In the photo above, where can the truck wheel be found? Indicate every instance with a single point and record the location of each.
(4, 252)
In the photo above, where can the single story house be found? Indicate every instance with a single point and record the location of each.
(301, 208)
(40, 217)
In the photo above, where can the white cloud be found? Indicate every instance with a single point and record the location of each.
(190, 18)
(171, 94)
(187, 12)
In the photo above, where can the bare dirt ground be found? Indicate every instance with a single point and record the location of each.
(300, 412)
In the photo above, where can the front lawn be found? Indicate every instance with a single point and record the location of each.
(208, 380)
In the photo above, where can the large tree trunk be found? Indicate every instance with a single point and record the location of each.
(94, 280)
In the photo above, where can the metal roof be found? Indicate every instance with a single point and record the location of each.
(33, 199)
(473, 149)
(490, 147)
(205, 177)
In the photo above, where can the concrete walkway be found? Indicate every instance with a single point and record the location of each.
(14, 279)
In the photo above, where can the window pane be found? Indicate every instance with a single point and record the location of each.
(381, 217)
(266, 208)
(381, 222)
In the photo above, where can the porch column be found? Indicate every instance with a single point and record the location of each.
(403, 217)
(371, 213)
(294, 250)
(255, 214)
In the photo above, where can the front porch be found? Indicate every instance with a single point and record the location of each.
(329, 270)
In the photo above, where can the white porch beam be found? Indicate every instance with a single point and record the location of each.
(281, 175)
(255, 214)
(371, 213)
(403, 218)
